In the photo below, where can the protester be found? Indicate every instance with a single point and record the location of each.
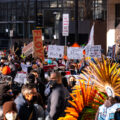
(64, 79)
(39, 83)
(108, 109)
(71, 83)
(25, 103)
(10, 111)
(57, 99)
(5, 95)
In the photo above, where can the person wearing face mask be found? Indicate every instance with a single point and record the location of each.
(4, 97)
(38, 83)
(10, 111)
(27, 103)
(57, 99)
(71, 83)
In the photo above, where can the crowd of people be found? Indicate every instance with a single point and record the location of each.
(28, 92)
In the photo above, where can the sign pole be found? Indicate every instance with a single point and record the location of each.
(65, 40)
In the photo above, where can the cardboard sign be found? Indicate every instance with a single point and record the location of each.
(38, 44)
(74, 53)
(93, 51)
(21, 77)
(28, 50)
(55, 51)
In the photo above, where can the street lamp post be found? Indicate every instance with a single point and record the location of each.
(11, 35)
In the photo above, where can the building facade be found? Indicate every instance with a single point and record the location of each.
(113, 24)
(22, 16)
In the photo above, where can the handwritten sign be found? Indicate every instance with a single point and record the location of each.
(93, 51)
(28, 50)
(38, 44)
(74, 53)
(21, 77)
(55, 51)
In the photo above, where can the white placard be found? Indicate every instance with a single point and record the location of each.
(20, 77)
(55, 51)
(74, 53)
(27, 50)
(93, 51)
(65, 29)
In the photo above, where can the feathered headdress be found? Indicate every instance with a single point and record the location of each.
(104, 74)
(85, 101)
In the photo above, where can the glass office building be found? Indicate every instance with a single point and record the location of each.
(22, 16)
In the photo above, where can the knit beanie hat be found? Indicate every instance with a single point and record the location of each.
(9, 106)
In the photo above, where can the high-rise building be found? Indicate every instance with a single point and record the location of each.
(22, 16)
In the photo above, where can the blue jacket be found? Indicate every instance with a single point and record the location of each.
(25, 109)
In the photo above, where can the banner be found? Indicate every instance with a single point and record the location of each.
(91, 37)
(74, 53)
(55, 51)
(28, 50)
(93, 51)
(38, 44)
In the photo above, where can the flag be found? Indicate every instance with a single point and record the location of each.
(91, 37)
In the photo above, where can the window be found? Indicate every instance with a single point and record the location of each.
(59, 3)
(98, 9)
(81, 13)
(68, 3)
(45, 4)
(117, 14)
(19, 11)
(53, 3)
(20, 29)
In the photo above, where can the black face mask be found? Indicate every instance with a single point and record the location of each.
(53, 83)
(34, 99)
(72, 83)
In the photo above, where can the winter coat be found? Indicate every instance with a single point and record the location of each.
(25, 109)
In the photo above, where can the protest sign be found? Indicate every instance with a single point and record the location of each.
(74, 53)
(21, 77)
(28, 50)
(93, 51)
(55, 51)
(38, 44)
